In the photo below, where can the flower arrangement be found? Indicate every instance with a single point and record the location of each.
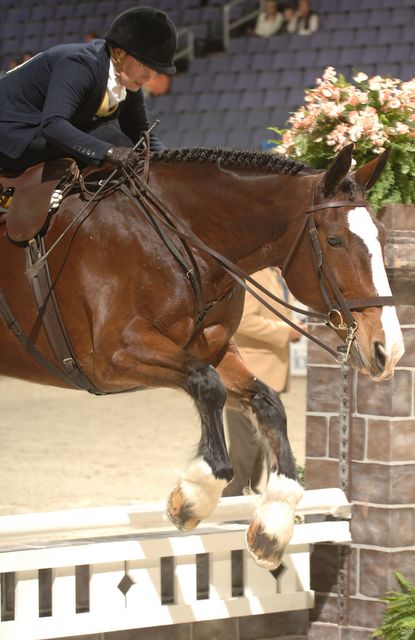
(375, 113)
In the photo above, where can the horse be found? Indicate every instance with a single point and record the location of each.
(127, 292)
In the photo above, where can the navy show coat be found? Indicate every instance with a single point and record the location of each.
(56, 95)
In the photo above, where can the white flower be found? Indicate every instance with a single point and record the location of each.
(360, 77)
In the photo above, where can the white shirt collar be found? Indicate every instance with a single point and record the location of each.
(116, 92)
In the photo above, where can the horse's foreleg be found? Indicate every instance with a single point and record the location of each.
(157, 360)
(273, 521)
(202, 483)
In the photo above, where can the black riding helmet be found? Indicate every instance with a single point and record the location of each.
(148, 35)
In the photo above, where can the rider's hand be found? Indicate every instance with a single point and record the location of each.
(122, 157)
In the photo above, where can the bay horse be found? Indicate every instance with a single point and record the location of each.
(130, 311)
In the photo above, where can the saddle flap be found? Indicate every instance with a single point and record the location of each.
(30, 205)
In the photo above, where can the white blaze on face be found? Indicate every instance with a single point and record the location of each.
(361, 224)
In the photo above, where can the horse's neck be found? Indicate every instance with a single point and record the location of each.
(247, 215)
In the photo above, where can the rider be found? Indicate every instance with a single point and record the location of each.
(84, 101)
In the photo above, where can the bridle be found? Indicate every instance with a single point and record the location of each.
(339, 316)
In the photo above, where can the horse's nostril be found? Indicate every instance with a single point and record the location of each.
(380, 354)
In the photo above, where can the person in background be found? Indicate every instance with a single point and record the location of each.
(302, 20)
(269, 21)
(91, 35)
(263, 341)
(158, 85)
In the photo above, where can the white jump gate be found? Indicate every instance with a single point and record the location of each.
(98, 570)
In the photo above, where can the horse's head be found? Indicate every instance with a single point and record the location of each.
(346, 250)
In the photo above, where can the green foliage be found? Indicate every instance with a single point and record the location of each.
(373, 113)
(399, 618)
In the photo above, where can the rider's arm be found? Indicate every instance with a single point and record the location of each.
(71, 84)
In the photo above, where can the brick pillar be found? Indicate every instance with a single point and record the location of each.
(381, 460)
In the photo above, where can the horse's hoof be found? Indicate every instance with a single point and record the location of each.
(264, 548)
(180, 512)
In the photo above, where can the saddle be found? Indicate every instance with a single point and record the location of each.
(33, 189)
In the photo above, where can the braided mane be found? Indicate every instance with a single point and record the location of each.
(275, 162)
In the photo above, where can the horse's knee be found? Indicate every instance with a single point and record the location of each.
(268, 407)
(204, 384)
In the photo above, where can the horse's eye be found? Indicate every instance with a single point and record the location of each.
(335, 241)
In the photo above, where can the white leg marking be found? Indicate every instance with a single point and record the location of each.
(276, 512)
(362, 225)
(200, 488)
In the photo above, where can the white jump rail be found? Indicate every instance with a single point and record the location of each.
(99, 570)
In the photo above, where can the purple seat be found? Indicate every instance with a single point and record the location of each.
(356, 19)
(215, 138)
(17, 14)
(220, 64)
(274, 98)
(198, 65)
(187, 121)
(31, 44)
(241, 62)
(234, 119)
(237, 45)
(399, 52)
(326, 58)
(379, 18)
(245, 81)
(318, 40)
(350, 55)
(181, 83)
(269, 80)
(239, 139)
(390, 35)
(408, 33)
(304, 59)
(192, 139)
(191, 16)
(163, 104)
(229, 100)
(402, 16)
(252, 99)
(291, 78)
(311, 75)
(185, 102)
(34, 29)
(222, 81)
(278, 118)
(257, 118)
(49, 41)
(73, 27)
(211, 120)
(64, 11)
(373, 55)
(388, 69)
(282, 60)
(407, 72)
(261, 61)
(334, 21)
(295, 98)
(365, 37)
(257, 45)
(207, 102)
(211, 14)
(42, 12)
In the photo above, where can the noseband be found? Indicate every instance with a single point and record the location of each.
(339, 313)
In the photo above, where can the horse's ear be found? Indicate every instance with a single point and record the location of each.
(338, 170)
(367, 175)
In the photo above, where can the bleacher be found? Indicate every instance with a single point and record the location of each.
(229, 98)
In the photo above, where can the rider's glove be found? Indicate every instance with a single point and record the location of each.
(122, 157)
